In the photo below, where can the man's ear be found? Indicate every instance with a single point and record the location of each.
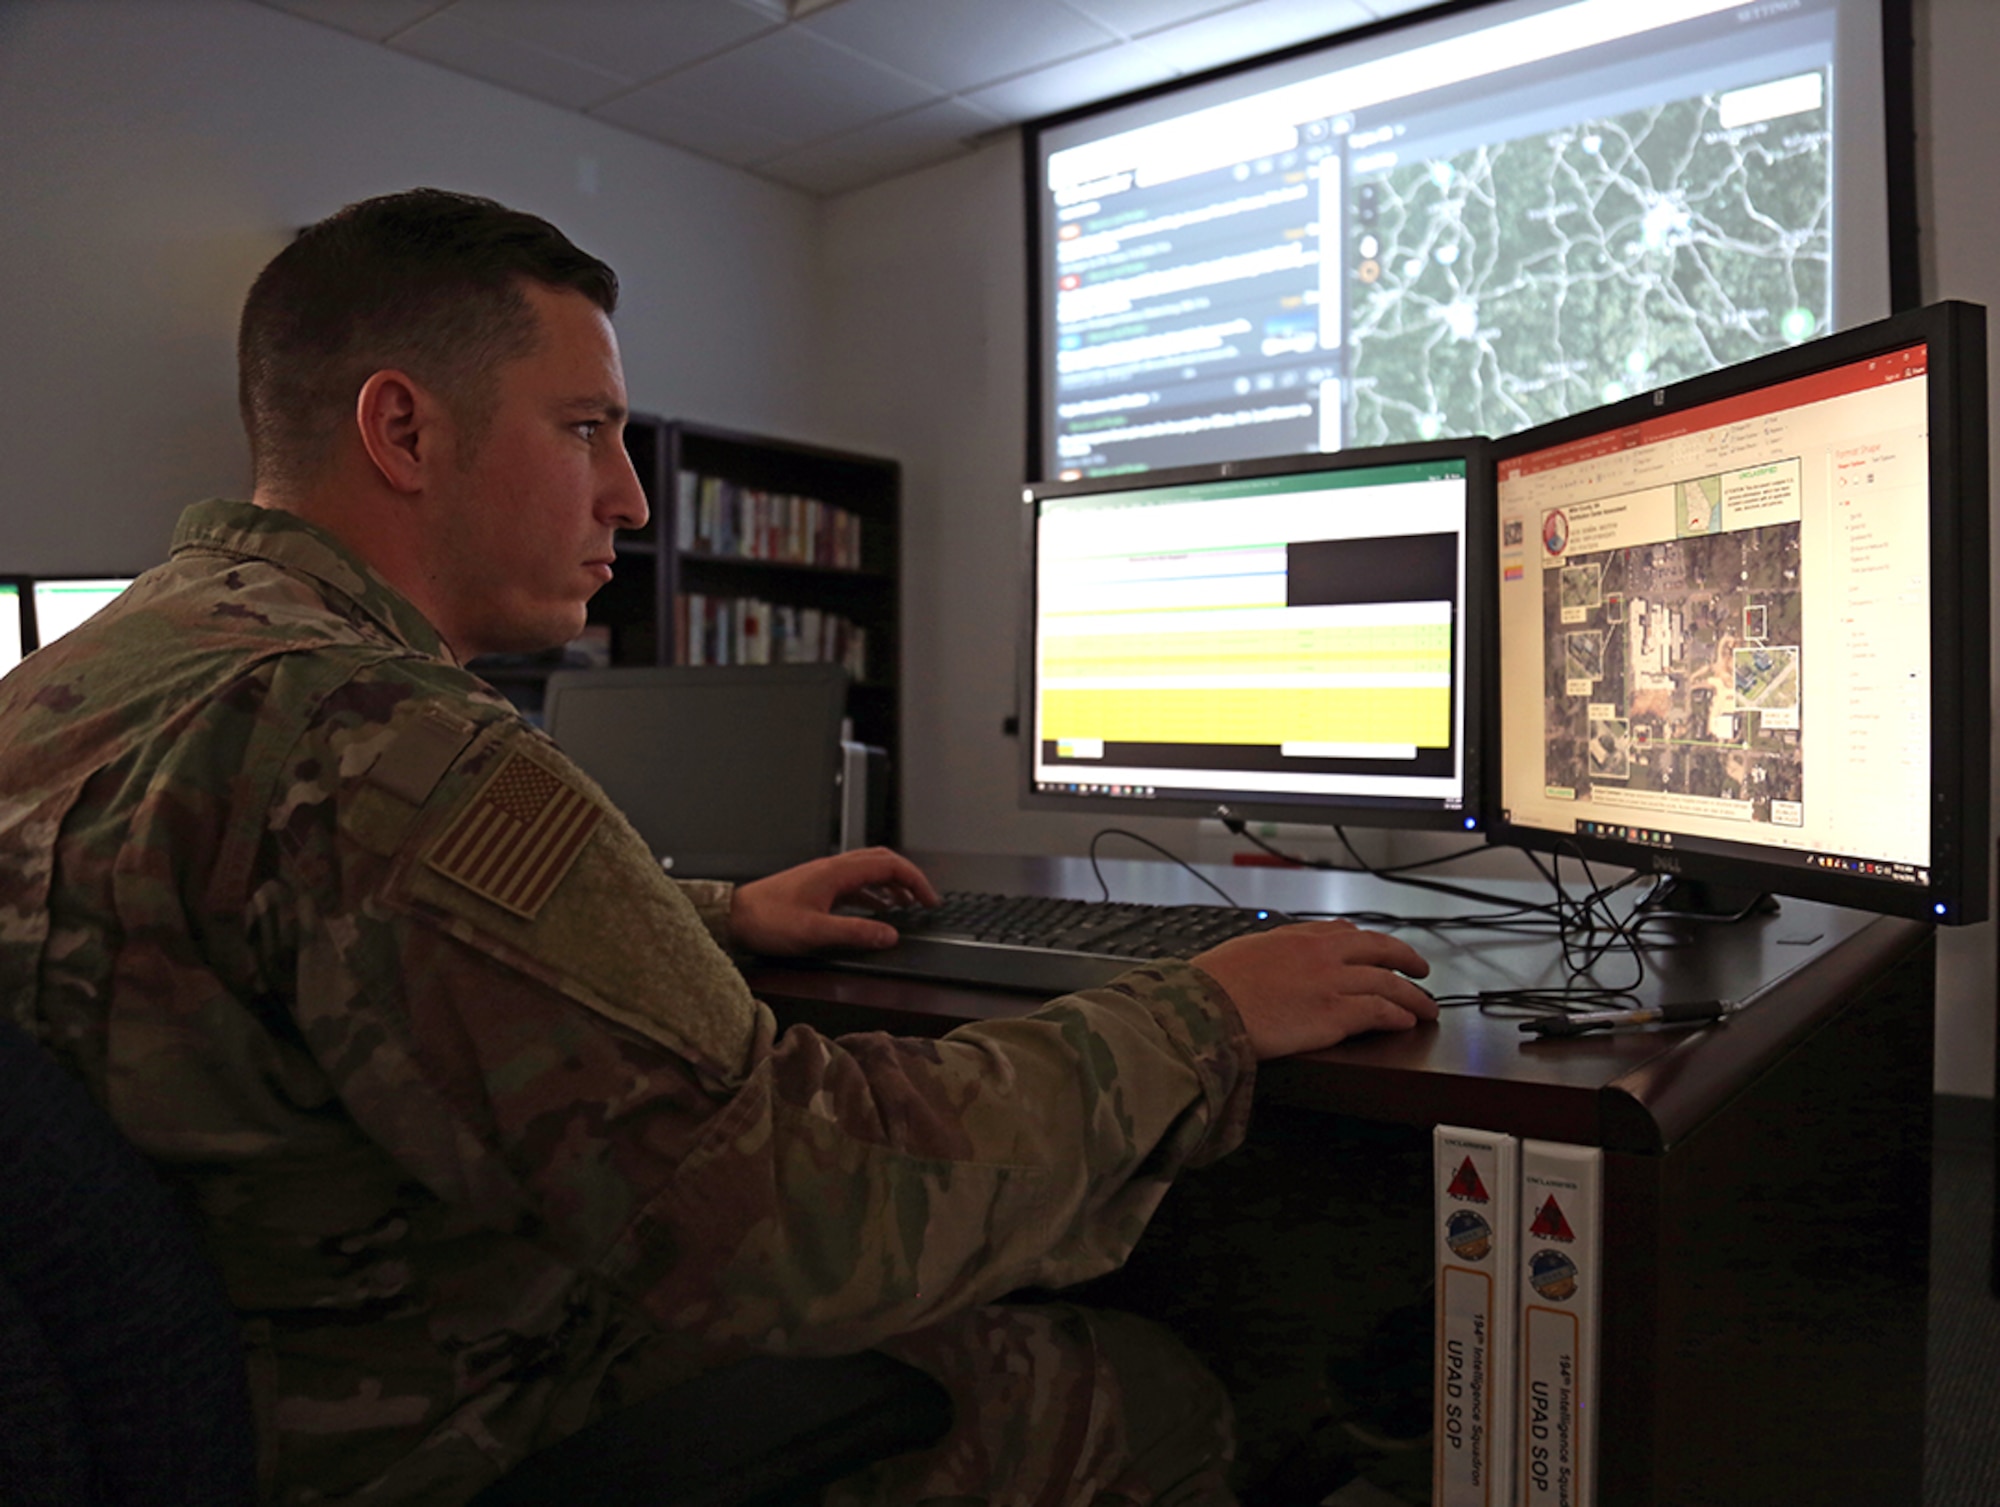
(404, 429)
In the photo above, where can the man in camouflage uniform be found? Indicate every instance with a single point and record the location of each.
(484, 1128)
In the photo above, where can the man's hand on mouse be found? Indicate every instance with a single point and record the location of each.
(1299, 988)
(792, 911)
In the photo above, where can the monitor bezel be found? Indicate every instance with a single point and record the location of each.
(1954, 334)
(24, 610)
(1480, 621)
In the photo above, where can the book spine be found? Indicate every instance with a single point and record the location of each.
(694, 642)
(707, 513)
(1477, 1177)
(687, 497)
(1561, 1215)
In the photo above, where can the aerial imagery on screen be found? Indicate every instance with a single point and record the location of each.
(1551, 208)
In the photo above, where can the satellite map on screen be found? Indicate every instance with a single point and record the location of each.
(1673, 669)
(1509, 285)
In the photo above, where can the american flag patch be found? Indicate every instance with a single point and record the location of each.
(519, 836)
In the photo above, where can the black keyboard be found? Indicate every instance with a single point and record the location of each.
(1045, 945)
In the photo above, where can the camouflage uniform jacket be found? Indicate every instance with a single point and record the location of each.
(484, 1129)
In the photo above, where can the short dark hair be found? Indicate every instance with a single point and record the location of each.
(428, 282)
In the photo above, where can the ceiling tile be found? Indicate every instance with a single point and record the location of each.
(959, 44)
(1081, 81)
(882, 149)
(795, 87)
(374, 19)
(638, 39)
(471, 48)
(1134, 18)
(658, 111)
(1258, 27)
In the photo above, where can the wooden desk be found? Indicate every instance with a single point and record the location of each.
(1767, 1181)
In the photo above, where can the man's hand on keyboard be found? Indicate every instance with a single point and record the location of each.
(791, 911)
(1299, 988)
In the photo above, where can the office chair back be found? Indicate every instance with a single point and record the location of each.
(121, 1363)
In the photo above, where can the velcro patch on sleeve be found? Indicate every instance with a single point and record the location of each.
(518, 837)
(427, 745)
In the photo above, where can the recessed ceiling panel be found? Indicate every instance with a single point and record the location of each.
(1246, 31)
(1134, 18)
(657, 111)
(797, 88)
(374, 19)
(471, 48)
(640, 39)
(883, 149)
(959, 44)
(1087, 80)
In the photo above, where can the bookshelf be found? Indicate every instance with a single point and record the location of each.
(809, 534)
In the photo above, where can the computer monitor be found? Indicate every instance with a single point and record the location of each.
(1743, 624)
(1291, 638)
(730, 771)
(13, 623)
(62, 602)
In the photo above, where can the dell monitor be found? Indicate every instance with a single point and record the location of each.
(1743, 624)
(63, 602)
(1290, 639)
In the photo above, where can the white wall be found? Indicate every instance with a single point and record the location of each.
(1958, 124)
(927, 310)
(155, 153)
(926, 333)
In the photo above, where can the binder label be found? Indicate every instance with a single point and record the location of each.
(1550, 1414)
(1465, 1405)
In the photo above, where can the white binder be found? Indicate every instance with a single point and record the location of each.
(1560, 1221)
(1477, 1193)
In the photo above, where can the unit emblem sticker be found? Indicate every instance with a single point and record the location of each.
(1468, 1235)
(1553, 1275)
(1550, 1223)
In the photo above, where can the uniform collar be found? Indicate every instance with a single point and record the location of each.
(290, 542)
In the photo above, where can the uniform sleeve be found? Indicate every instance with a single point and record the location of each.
(711, 899)
(539, 1025)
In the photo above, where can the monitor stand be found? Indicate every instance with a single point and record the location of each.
(1697, 898)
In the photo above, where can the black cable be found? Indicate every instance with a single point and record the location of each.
(1239, 828)
(1428, 863)
(1098, 874)
(1588, 929)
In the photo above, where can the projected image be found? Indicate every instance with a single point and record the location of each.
(1509, 284)
(1551, 208)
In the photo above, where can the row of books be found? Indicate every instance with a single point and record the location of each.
(717, 516)
(1518, 1278)
(718, 630)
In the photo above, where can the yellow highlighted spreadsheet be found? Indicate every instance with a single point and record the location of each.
(1403, 716)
